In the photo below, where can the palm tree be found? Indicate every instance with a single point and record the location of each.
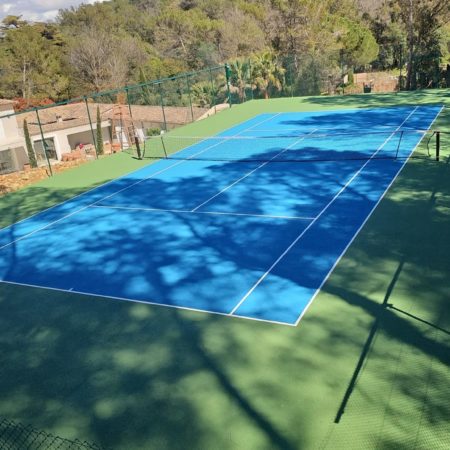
(267, 73)
(240, 76)
(202, 94)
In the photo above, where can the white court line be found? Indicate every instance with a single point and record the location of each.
(115, 180)
(252, 171)
(272, 133)
(364, 222)
(317, 217)
(220, 213)
(146, 302)
(125, 188)
(179, 307)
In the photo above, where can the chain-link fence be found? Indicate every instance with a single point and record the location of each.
(107, 122)
(15, 436)
(332, 73)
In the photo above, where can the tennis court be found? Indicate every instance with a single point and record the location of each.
(248, 223)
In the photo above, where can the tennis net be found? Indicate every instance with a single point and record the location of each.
(287, 148)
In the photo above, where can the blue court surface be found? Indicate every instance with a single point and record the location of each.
(254, 239)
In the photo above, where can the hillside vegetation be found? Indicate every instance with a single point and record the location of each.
(91, 48)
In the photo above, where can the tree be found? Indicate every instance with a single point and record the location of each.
(239, 35)
(104, 60)
(267, 73)
(100, 150)
(203, 94)
(422, 20)
(240, 76)
(359, 46)
(30, 150)
(31, 61)
(182, 34)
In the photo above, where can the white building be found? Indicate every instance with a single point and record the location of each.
(12, 146)
(65, 127)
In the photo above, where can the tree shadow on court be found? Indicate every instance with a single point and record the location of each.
(411, 319)
(134, 376)
(126, 376)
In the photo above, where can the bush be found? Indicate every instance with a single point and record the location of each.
(153, 131)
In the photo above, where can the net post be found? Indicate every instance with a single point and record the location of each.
(163, 146)
(438, 145)
(44, 145)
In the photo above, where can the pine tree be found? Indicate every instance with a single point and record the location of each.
(30, 150)
(99, 133)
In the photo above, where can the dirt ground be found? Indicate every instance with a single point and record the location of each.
(17, 180)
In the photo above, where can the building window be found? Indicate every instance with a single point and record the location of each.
(6, 161)
(39, 149)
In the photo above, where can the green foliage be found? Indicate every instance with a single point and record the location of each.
(411, 36)
(267, 73)
(203, 94)
(29, 145)
(31, 61)
(153, 131)
(105, 45)
(358, 44)
(240, 76)
(100, 149)
(146, 93)
(12, 22)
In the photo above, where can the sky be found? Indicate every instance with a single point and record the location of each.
(37, 10)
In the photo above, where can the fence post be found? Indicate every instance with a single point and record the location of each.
(249, 73)
(92, 128)
(190, 98)
(44, 145)
(162, 106)
(213, 90)
(133, 128)
(129, 104)
(228, 75)
(291, 74)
